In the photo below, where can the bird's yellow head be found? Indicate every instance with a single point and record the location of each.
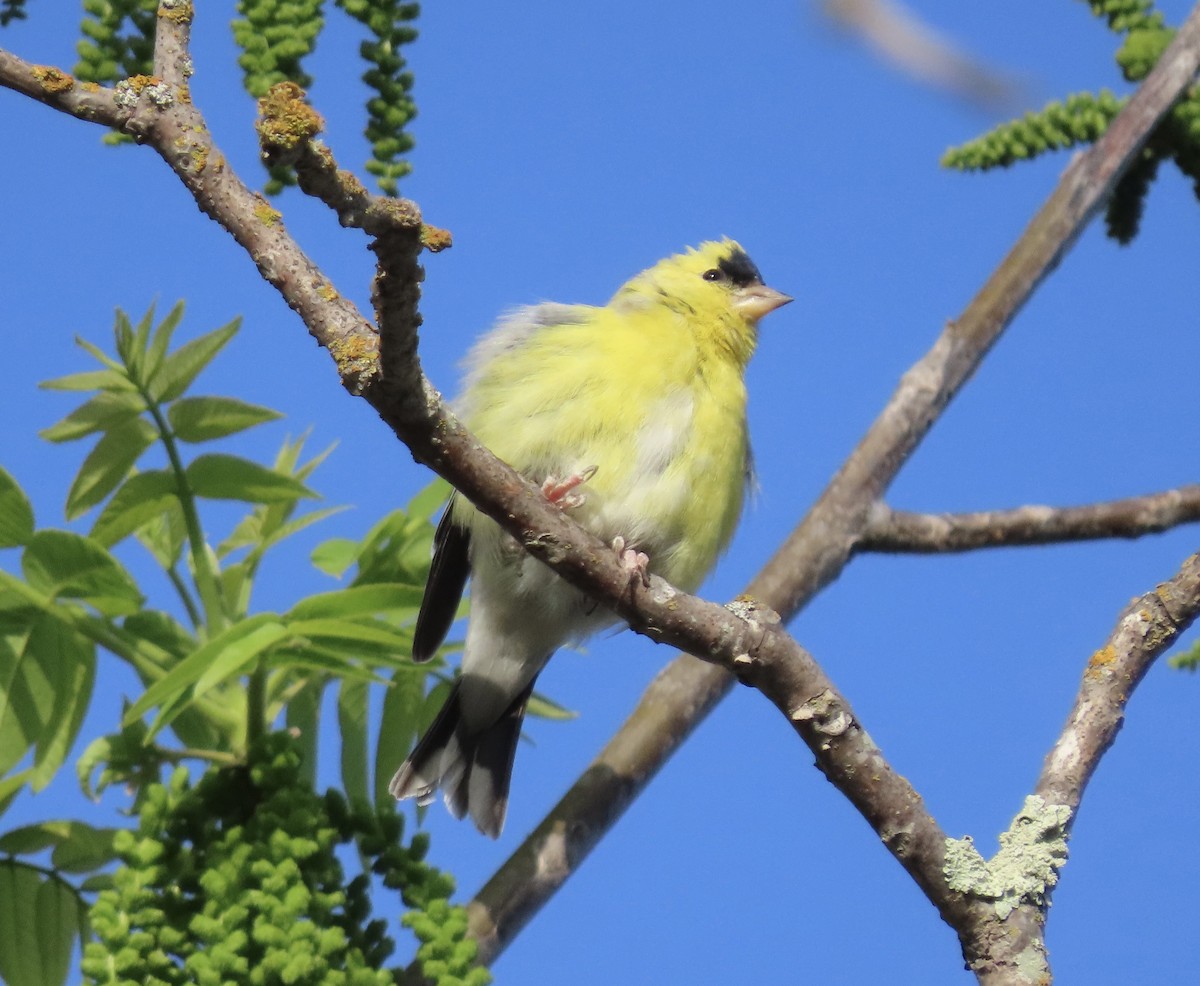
(715, 286)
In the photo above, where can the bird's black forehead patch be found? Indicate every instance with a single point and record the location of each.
(740, 269)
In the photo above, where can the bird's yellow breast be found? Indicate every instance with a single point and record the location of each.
(648, 401)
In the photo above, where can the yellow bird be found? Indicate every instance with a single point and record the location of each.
(633, 416)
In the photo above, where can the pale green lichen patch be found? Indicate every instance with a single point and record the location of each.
(1032, 852)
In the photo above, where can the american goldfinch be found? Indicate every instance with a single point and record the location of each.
(633, 416)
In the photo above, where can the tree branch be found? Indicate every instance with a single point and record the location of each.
(1007, 946)
(1149, 625)
(898, 531)
(819, 548)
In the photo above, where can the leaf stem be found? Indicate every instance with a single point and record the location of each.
(185, 596)
(191, 753)
(206, 578)
(256, 703)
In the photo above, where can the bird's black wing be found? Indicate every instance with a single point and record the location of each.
(447, 579)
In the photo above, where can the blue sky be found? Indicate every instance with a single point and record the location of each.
(567, 147)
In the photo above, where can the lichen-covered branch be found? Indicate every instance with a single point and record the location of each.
(899, 531)
(1014, 887)
(1149, 625)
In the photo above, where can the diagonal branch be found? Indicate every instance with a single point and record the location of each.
(1149, 625)
(898, 531)
(1010, 947)
(819, 548)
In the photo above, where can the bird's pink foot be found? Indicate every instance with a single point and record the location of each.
(562, 491)
(636, 563)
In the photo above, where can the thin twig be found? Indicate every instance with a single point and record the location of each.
(898, 531)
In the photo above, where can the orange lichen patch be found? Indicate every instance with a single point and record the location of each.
(264, 213)
(90, 86)
(178, 11)
(326, 291)
(435, 239)
(357, 358)
(184, 93)
(1100, 664)
(199, 158)
(285, 119)
(139, 82)
(53, 80)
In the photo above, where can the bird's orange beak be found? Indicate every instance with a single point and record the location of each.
(756, 300)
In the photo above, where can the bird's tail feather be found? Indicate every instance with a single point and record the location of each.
(473, 770)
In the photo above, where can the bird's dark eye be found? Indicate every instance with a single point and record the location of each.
(715, 275)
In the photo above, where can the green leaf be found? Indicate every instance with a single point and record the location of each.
(201, 419)
(104, 411)
(352, 721)
(397, 727)
(16, 513)
(237, 583)
(101, 881)
(179, 369)
(160, 342)
(165, 535)
(311, 465)
(123, 339)
(69, 566)
(227, 477)
(83, 849)
(134, 355)
(78, 847)
(246, 532)
(396, 549)
(100, 355)
(541, 707)
(9, 787)
(372, 632)
(31, 838)
(109, 463)
(20, 722)
(143, 497)
(97, 753)
(334, 556)
(334, 662)
(221, 658)
(429, 501)
(109, 380)
(46, 678)
(39, 921)
(395, 598)
(68, 662)
(253, 529)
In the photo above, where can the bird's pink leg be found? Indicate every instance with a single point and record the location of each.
(561, 491)
(636, 563)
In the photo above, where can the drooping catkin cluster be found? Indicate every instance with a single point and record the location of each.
(236, 879)
(1083, 117)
